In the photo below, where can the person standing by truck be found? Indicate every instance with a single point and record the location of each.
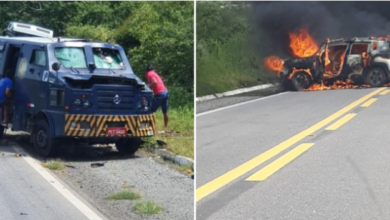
(5, 95)
(160, 92)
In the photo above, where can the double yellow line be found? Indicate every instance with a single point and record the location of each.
(228, 177)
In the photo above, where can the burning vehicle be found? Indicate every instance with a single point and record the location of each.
(335, 64)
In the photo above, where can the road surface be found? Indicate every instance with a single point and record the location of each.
(25, 194)
(298, 155)
(81, 191)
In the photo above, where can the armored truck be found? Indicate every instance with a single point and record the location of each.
(73, 90)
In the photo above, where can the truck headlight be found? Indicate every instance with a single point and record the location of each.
(86, 104)
(143, 105)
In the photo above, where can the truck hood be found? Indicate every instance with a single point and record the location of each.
(88, 76)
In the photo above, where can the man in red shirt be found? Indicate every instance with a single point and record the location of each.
(160, 92)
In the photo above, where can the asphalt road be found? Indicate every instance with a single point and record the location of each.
(297, 155)
(81, 190)
(24, 194)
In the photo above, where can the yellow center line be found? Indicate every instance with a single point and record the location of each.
(340, 122)
(384, 92)
(279, 163)
(369, 102)
(231, 175)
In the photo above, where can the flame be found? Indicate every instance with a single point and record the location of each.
(273, 63)
(342, 61)
(302, 44)
(339, 84)
(299, 70)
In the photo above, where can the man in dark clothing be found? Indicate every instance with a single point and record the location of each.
(6, 85)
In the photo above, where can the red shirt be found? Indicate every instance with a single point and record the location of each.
(159, 87)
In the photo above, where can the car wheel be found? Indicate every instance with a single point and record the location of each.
(43, 142)
(128, 146)
(301, 80)
(376, 77)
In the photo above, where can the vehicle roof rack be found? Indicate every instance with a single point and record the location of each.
(15, 29)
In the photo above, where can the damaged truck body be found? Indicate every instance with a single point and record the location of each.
(73, 91)
(356, 61)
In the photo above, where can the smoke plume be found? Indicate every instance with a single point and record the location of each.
(324, 20)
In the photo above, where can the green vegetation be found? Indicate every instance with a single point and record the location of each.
(180, 134)
(125, 195)
(227, 48)
(161, 33)
(54, 165)
(181, 140)
(147, 208)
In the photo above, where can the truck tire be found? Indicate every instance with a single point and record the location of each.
(375, 77)
(128, 146)
(43, 142)
(301, 80)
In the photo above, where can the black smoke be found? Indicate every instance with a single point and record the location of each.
(274, 20)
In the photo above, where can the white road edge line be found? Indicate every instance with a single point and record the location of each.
(238, 104)
(91, 215)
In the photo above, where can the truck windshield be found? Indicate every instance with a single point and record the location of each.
(71, 57)
(106, 58)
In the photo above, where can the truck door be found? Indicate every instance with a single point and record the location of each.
(31, 91)
(355, 61)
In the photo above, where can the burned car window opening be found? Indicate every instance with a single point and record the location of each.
(71, 57)
(106, 58)
(360, 48)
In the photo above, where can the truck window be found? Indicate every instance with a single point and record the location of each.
(106, 58)
(71, 57)
(38, 58)
(359, 48)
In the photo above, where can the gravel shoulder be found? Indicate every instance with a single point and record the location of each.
(155, 180)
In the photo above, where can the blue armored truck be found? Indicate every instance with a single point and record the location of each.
(73, 90)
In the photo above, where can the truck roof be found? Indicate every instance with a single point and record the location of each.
(44, 40)
(358, 39)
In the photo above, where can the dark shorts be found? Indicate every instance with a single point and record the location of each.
(160, 100)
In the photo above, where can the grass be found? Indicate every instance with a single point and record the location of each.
(181, 121)
(54, 165)
(125, 195)
(147, 208)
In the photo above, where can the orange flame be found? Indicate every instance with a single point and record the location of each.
(299, 70)
(339, 84)
(302, 44)
(273, 63)
(342, 60)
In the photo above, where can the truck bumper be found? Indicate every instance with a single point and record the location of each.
(97, 125)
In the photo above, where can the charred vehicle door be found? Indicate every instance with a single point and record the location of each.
(336, 55)
(355, 61)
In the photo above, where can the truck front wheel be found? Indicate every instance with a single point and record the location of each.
(42, 140)
(128, 146)
(301, 80)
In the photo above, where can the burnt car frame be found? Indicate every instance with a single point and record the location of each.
(357, 60)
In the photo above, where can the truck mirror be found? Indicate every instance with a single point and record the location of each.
(56, 66)
(91, 66)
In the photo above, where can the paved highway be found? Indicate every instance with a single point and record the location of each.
(25, 194)
(297, 155)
